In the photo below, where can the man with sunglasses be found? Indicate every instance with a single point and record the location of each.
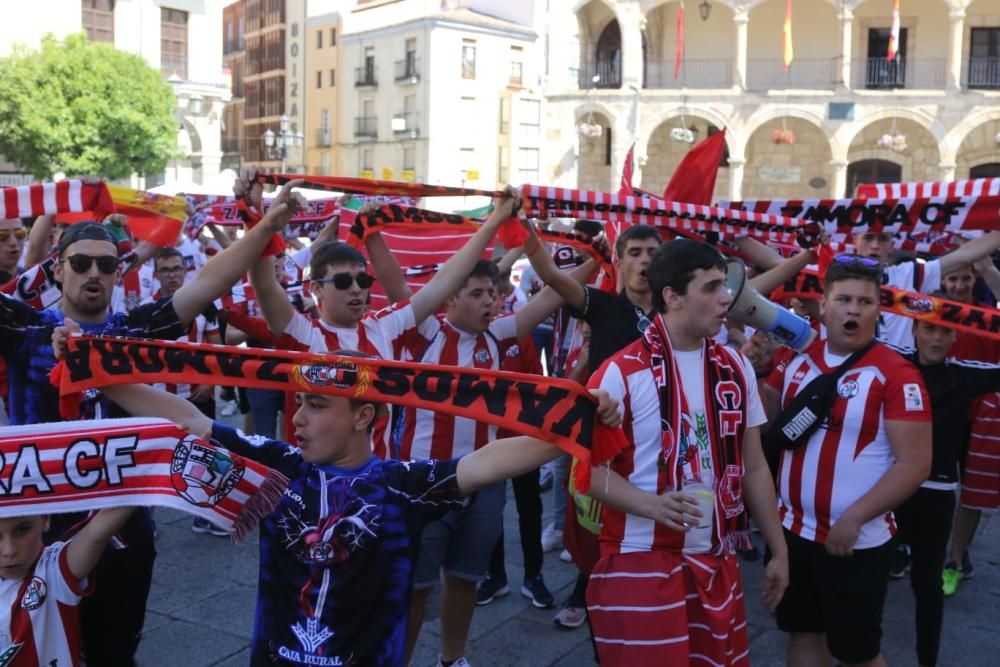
(12, 235)
(87, 269)
(838, 489)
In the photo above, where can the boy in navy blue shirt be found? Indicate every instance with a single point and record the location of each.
(337, 554)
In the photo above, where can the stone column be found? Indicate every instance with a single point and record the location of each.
(736, 179)
(946, 171)
(839, 178)
(630, 22)
(741, 18)
(956, 38)
(846, 45)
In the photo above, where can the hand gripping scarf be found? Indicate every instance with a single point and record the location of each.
(561, 412)
(90, 465)
(726, 413)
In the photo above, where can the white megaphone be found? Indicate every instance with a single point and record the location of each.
(763, 314)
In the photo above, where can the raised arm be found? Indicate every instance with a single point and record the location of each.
(453, 273)
(970, 253)
(569, 289)
(274, 304)
(762, 256)
(87, 546)
(991, 275)
(38, 240)
(548, 300)
(785, 270)
(223, 270)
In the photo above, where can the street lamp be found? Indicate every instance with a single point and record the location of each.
(278, 145)
(704, 9)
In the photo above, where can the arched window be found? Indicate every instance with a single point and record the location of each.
(871, 171)
(988, 170)
(609, 57)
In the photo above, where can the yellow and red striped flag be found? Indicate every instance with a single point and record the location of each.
(894, 32)
(154, 218)
(786, 33)
(679, 55)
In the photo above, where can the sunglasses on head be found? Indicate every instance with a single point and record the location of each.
(869, 262)
(344, 281)
(106, 264)
(18, 233)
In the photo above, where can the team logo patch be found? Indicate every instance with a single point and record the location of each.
(919, 307)
(34, 595)
(482, 356)
(848, 389)
(341, 374)
(204, 475)
(913, 401)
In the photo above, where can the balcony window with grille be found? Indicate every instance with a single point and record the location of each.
(173, 42)
(527, 159)
(984, 58)
(531, 117)
(516, 65)
(880, 72)
(99, 20)
(468, 59)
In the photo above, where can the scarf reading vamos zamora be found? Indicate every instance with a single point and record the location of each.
(561, 412)
(91, 465)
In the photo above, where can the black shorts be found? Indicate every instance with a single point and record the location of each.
(842, 597)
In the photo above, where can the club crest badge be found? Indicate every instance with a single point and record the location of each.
(848, 389)
(204, 475)
(34, 594)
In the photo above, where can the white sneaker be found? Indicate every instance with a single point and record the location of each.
(461, 662)
(229, 409)
(565, 556)
(552, 539)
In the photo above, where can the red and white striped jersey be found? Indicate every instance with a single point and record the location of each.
(628, 377)
(40, 623)
(380, 334)
(434, 435)
(850, 452)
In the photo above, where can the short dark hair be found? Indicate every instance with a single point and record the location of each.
(357, 403)
(331, 253)
(85, 231)
(674, 265)
(858, 269)
(589, 228)
(635, 233)
(167, 253)
(484, 268)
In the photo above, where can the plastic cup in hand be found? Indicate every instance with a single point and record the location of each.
(705, 496)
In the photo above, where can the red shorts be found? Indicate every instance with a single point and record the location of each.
(981, 480)
(664, 608)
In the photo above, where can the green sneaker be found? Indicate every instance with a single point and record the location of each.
(950, 577)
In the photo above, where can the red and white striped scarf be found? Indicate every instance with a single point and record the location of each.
(78, 466)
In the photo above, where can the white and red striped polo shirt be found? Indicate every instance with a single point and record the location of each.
(628, 377)
(850, 452)
(433, 435)
(381, 334)
(41, 620)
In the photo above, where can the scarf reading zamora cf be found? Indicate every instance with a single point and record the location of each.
(726, 413)
(561, 412)
(90, 465)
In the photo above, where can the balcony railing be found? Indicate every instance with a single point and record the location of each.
(406, 124)
(882, 73)
(983, 73)
(608, 73)
(696, 73)
(407, 70)
(366, 127)
(365, 77)
(770, 73)
(323, 137)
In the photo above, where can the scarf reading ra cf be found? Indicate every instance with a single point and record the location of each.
(726, 415)
(560, 412)
(91, 465)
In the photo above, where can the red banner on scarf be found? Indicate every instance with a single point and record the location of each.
(952, 314)
(558, 411)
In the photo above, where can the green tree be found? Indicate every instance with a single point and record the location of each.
(83, 108)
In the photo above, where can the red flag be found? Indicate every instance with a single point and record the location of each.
(679, 56)
(626, 185)
(694, 179)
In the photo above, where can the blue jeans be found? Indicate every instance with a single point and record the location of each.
(265, 404)
(560, 468)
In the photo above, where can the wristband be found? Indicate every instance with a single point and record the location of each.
(117, 232)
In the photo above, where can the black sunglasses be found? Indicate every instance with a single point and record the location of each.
(344, 281)
(869, 262)
(106, 264)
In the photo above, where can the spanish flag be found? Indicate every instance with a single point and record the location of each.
(154, 218)
(789, 50)
(894, 32)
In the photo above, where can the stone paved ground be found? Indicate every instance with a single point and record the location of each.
(200, 612)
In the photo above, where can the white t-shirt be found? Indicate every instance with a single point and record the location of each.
(897, 329)
(694, 433)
